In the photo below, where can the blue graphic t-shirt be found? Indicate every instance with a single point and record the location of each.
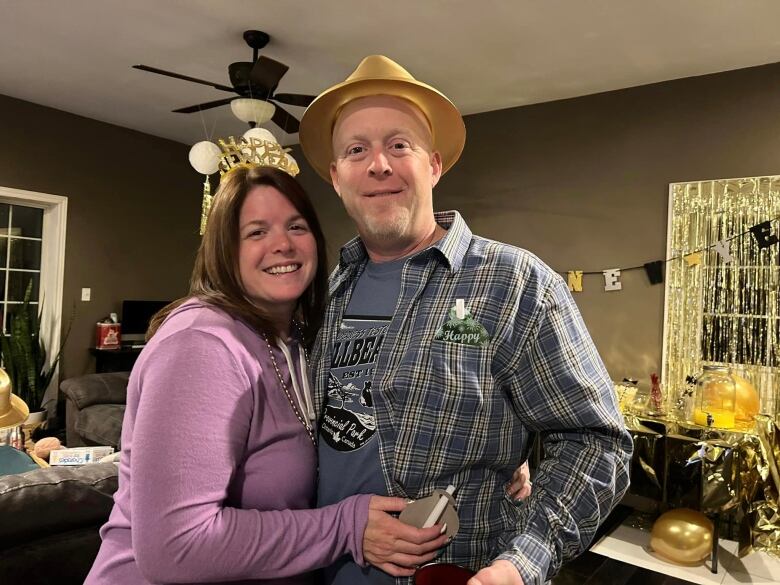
(348, 421)
(348, 444)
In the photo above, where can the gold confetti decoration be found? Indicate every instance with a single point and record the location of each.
(205, 206)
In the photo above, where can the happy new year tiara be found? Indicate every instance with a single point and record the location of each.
(257, 147)
(253, 152)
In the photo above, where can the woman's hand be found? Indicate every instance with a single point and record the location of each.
(395, 547)
(520, 487)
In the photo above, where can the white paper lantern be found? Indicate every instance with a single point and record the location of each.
(204, 157)
(260, 134)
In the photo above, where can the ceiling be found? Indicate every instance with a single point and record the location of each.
(76, 55)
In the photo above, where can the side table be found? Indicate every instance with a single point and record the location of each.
(115, 360)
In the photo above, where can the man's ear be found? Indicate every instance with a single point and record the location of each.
(435, 168)
(334, 178)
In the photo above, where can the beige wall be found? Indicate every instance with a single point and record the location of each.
(133, 210)
(583, 183)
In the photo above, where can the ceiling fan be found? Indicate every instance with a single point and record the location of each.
(256, 79)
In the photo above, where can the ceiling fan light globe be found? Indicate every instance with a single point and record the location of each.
(252, 110)
(204, 157)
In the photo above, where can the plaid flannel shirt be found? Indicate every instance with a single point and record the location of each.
(450, 413)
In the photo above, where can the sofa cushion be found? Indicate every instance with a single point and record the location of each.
(53, 500)
(101, 424)
(63, 558)
(106, 388)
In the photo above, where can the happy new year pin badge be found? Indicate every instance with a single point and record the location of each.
(462, 328)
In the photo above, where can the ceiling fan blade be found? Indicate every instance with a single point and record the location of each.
(184, 77)
(294, 99)
(285, 120)
(266, 73)
(205, 106)
(239, 74)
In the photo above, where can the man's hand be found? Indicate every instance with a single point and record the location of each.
(499, 573)
(393, 546)
(520, 488)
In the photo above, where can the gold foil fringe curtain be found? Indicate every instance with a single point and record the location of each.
(716, 311)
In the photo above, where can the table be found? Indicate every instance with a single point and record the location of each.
(115, 360)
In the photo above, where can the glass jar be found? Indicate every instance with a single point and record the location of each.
(715, 401)
(626, 391)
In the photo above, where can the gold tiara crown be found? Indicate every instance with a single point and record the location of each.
(257, 147)
(250, 151)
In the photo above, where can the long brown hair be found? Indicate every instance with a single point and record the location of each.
(216, 277)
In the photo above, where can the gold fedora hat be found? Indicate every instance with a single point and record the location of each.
(13, 410)
(378, 75)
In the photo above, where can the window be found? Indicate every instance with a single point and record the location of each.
(32, 250)
(21, 235)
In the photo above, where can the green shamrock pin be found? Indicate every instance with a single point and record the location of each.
(463, 328)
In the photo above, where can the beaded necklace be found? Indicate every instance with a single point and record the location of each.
(303, 420)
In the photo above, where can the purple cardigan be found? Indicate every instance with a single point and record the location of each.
(217, 474)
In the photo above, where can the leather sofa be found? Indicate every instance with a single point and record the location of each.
(49, 522)
(94, 408)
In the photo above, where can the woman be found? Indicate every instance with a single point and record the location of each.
(218, 463)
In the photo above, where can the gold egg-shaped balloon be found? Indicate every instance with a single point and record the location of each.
(747, 400)
(682, 536)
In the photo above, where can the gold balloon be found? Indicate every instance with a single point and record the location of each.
(748, 403)
(682, 536)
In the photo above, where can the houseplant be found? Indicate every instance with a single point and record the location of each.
(24, 353)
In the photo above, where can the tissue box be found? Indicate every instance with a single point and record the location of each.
(108, 336)
(79, 455)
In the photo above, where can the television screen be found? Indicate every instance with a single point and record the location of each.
(135, 318)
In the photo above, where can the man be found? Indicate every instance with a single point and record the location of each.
(443, 351)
